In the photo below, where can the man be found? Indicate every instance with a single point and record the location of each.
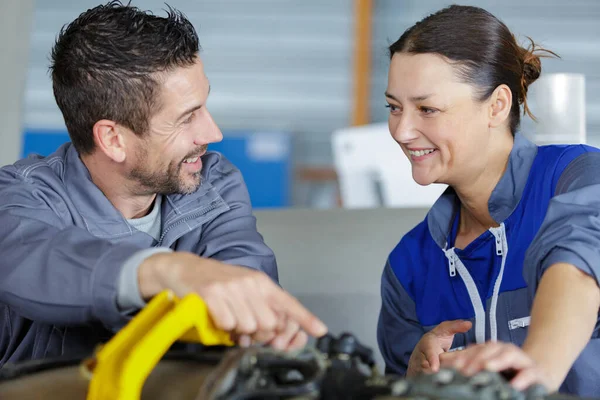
(135, 205)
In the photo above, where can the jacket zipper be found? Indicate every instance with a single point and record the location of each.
(501, 251)
(456, 264)
(519, 323)
(206, 210)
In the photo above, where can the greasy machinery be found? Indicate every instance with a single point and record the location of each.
(138, 364)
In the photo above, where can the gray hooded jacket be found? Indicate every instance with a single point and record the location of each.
(63, 247)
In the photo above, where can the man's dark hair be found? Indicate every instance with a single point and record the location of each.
(105, 65)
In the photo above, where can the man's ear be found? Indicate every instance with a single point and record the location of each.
(110, 140)
(500, 105)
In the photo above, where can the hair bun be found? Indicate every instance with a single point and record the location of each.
(532, 68)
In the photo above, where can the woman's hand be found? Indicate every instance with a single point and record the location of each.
(425, 358)
(499, 357)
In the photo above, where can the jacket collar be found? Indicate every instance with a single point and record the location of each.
(504, 198)
(104, 220)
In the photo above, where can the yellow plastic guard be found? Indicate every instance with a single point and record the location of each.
(120, 368)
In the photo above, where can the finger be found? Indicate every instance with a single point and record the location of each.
(266, 336)
(431, 349)
(448, 357)
(281, 322)
(417, 365)
(525, 378)
(220, 313)
(458, 359)
(449, 328)
(296, 311)
(245, 319)
(433, 358)
(299, 341)
(417, 362)
(263, 337)
(479, 357)
(244, 341)
(264, 315)
(514, 358)
(283, 339)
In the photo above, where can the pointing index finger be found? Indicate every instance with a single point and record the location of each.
(289, 305)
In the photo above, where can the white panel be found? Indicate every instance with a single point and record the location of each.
(374, 172)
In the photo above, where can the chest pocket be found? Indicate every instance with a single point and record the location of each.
(517, 312)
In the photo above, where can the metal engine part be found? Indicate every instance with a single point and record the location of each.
(342, 368)
(336, 368)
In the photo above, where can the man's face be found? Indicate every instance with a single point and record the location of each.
(167, 158)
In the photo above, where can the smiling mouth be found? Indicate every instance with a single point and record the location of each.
(194, 158)
(191, 160)
(419, 153)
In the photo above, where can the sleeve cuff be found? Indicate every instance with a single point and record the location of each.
(560, 255)
(128, 292)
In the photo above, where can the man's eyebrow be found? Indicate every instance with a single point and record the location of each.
(192, 108)
(189, 110)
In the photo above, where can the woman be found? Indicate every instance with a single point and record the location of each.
(516, 237)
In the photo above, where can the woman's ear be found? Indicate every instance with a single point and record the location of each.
(500, 105)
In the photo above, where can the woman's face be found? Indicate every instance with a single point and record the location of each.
(436, 119)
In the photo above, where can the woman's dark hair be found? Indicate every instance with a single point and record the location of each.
(104, 66)
(483, 51)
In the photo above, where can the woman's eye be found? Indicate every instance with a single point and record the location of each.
(427, 110)
(392, 107)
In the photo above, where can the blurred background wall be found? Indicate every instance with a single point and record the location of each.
(15, 31)
(283, 76)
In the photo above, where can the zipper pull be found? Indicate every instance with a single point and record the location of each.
(497, 236)
(451, 266)
(498, 247)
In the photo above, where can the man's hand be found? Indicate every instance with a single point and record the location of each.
(498, 357)
(425, 358)
(240, 300)
(287, 336)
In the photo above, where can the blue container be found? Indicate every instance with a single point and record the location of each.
(264, 158)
